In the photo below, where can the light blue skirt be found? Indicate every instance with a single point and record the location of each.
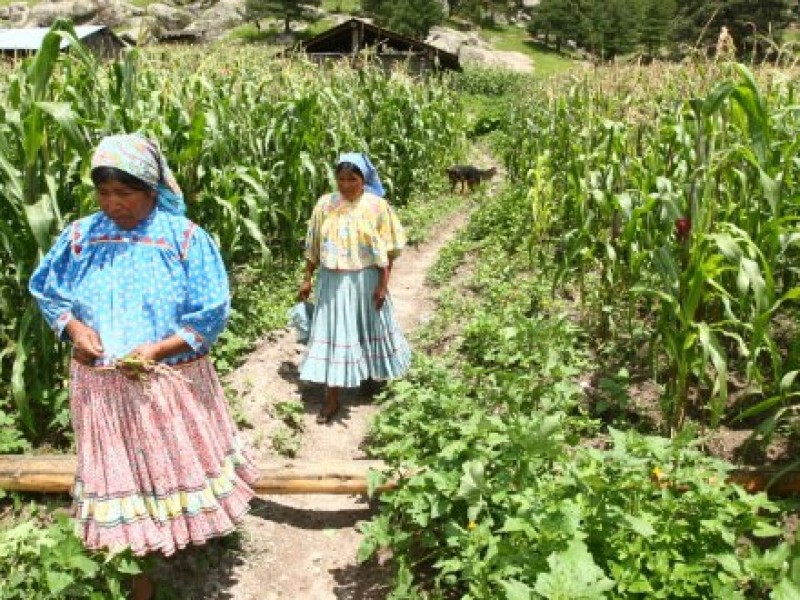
(350, 340)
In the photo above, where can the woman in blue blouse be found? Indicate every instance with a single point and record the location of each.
(160, 463)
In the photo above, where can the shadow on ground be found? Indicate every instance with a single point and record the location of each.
(310, 518)
(362, 583)
(199, 572)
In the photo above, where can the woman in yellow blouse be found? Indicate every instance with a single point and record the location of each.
(353, 238)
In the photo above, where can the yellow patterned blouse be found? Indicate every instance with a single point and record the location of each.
(349, 236)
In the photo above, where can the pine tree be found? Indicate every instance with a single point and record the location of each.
(623, 20)
(255, 10)
(656, 24)
(608, 28)
(413, 18)
(561, 19)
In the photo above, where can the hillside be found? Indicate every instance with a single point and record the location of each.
(143, 22)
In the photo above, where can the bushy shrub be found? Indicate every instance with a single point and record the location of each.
(51, 563)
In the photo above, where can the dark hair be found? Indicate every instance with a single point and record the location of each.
(106, 174)
(348, 167)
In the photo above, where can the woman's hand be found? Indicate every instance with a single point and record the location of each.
(305, 290)
(147, 352)
(379, 295)
(139, 360)
(86, 342)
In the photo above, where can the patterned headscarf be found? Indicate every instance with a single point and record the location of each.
(141, 157)
(372, 182)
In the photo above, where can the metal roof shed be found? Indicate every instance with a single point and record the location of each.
(27, 41)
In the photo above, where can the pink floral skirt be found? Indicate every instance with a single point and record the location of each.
(160, 462)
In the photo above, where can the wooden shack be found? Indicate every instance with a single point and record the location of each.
(26, 41)
(355, 38)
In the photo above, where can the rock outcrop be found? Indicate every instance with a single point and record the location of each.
(45, 14)
(214, 21)
(471, 49)
(81, 12)
(15, 13)
(116, 13)
(187, 19)
(169, 18)
(513, 61)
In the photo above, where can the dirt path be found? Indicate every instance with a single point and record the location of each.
(304, 547)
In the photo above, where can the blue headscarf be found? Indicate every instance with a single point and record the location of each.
(141, 157)
(372, 183)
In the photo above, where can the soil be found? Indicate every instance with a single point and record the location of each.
(303, 547)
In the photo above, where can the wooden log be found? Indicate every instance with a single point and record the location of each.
(773, 481)
(53, 474)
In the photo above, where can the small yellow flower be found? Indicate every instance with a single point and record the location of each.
(471, 525)
(657, 476)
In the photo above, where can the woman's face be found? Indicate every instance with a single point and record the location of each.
(350, 185)
(124, 205)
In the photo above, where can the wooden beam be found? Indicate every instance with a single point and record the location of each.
(53, 474)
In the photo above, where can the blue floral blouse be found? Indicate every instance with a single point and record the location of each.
(135, 286)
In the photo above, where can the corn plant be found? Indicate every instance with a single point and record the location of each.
(671, 212)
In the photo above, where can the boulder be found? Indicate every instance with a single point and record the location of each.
(314, 12)
(137, 32)
(117, 12)
(471, 49)
(18, 13)
(168, 18)
(215, 21)
(452, 40)
(45, 14)
(513, 61)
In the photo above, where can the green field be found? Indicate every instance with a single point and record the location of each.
(546, 61)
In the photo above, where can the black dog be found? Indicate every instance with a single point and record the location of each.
(468, 176)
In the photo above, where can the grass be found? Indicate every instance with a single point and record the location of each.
(341, 6)
(316, 27)
(250, 33)
(546, 60)
(792, 34)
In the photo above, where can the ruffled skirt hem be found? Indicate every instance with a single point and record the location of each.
(351, 341)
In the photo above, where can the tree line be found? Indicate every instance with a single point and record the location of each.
(607, 28)
(604, 28)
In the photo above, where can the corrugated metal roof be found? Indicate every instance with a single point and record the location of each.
(30, 38)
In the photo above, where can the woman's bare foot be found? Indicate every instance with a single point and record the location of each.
(143, 587)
